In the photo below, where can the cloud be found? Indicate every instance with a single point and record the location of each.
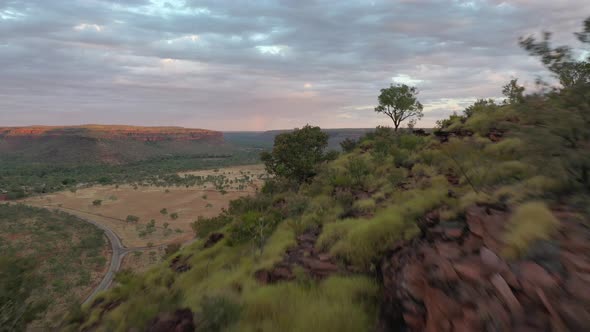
(261, 64)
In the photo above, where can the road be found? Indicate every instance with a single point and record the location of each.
(118, 249)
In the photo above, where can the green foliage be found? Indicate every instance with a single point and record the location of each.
(217, 313)
(400, 103)
(132, 219)
(202, 227)
(337, 304)
(480, 106)
(174, 215)
(164, 211)
(348, 144)
(513, 92)
(530, 222)
(97, 202)
(17, 281)
(366, 241)
(296, 154)
(33, 282)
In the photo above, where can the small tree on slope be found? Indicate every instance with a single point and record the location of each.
(399, 102)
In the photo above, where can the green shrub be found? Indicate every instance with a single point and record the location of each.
(97, 202)
(530, 222)
(132, 219)
(202, 227)
(367, 240)
(217, 313)
(336, 304)
(365, 205)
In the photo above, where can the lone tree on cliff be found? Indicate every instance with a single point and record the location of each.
(399, 102)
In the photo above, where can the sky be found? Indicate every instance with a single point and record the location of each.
(265, 64)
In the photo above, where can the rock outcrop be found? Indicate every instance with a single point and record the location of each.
(454, 279)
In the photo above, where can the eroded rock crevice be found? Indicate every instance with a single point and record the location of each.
(454, 278)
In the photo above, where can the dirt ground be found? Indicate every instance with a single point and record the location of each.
(119, 202)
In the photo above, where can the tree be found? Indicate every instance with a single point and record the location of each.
(513, 92)
(295, 155)
(560, 60)
(480, 105)
(399, 102)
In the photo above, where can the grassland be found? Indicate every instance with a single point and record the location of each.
(164, 213)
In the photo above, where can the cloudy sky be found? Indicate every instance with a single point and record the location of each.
(264, 64)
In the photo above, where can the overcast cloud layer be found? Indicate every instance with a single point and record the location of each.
(264, 64)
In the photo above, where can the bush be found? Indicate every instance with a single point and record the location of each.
(337, 304)
(217, 313)
(295, 155)
(202, 227)
(366, 241)
(132, 219)
(530, 222)
(365, 206)
(97, 202)
(174, 215)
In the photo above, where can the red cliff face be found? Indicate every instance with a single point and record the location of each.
(106, 132)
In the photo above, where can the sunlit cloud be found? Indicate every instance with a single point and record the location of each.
(272, 49)
(406, 79)
(86, 26)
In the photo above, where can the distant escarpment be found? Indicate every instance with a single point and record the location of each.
(107, 132)
(111, 144)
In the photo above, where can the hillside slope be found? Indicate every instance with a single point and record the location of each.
(102, 143)
(483, 226)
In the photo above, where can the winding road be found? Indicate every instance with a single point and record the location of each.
(118, 249)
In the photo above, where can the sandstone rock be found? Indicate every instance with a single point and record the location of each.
(469, 270)
(474, 221)
(179, 321)
(440, 310)
(414, 322)
(448, 250)
(575, 316)
(472, 243)
(575, 262)
(213, 239)
(532, 275)
(491, 261)
(578, 288)
(508, 297)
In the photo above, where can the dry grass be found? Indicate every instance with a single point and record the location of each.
(147, 202)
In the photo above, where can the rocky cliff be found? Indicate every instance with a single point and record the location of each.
(104, 143)
(114, 132)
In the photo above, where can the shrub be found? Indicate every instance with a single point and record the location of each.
(530, 222)
(174, 215)
(348, 144)
(295, 155)
(132, 219)
(217, 313)
(97, 202)
(367, 240)
(202, 227)
(164, 211)
(336, 304)
(365, 206)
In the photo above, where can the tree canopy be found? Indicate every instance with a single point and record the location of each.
(399, 102)
(296, 154)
